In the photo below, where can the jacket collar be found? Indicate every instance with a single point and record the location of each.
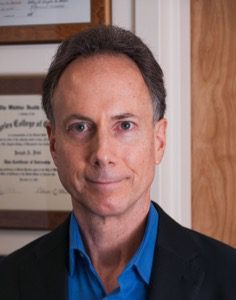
(177, 269)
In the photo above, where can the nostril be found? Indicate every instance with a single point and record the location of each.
(102, 161)
(97, 163)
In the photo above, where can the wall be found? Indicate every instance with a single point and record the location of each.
(164, 26)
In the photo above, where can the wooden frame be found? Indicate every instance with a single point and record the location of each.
(27, 219)
(100, 14)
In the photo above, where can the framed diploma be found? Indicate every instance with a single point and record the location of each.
(31, 196)
(46, 21)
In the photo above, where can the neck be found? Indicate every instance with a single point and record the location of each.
(111, 241)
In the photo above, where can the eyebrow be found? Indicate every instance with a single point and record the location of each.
(124, 116)
(85, 118)
(79, 117)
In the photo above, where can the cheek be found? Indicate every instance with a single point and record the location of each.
(69, 158)
(141, 158)
(70, 169)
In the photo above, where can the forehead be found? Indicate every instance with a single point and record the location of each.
(102, 66)
(105, 80)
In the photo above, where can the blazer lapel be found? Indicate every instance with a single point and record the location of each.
(177, 269)
(45, 276)
(174, 278)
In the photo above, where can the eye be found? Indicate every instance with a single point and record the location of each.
(79, 127)
(126, 125)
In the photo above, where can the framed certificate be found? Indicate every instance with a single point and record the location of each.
(47, 21)
(31, 195)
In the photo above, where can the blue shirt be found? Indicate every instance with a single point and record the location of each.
(84, 281)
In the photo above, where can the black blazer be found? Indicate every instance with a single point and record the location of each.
(187, 266)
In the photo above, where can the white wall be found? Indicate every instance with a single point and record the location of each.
(164, 26)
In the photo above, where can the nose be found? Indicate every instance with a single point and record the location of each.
(102, 154)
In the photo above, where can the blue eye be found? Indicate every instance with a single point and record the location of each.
(79, 127)
(126, 125)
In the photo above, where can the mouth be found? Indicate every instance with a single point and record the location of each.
(104, 182)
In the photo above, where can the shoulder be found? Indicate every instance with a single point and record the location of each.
(216, 260)
(216, 255)
(39, 246)
(185, 240)
(37, 250)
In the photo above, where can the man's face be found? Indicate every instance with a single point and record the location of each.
(104, 141)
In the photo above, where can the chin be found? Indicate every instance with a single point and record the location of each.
(103, 206)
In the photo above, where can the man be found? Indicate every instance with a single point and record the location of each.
(104, 98)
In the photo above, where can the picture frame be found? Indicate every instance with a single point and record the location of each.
(26, 218)
(100, 13)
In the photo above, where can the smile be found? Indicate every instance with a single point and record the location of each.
(104, 182)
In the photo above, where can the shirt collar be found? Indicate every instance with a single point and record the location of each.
(76, 244)
(140, 262)
(144, 255)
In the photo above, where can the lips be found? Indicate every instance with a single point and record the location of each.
(104, 186)
(105, 181)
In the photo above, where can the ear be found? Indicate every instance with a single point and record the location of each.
(160, 139)
(52, 140)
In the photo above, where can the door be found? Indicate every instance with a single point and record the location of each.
(213, 42)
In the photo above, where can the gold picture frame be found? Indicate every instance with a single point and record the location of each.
(53, 33)
(16, 218)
